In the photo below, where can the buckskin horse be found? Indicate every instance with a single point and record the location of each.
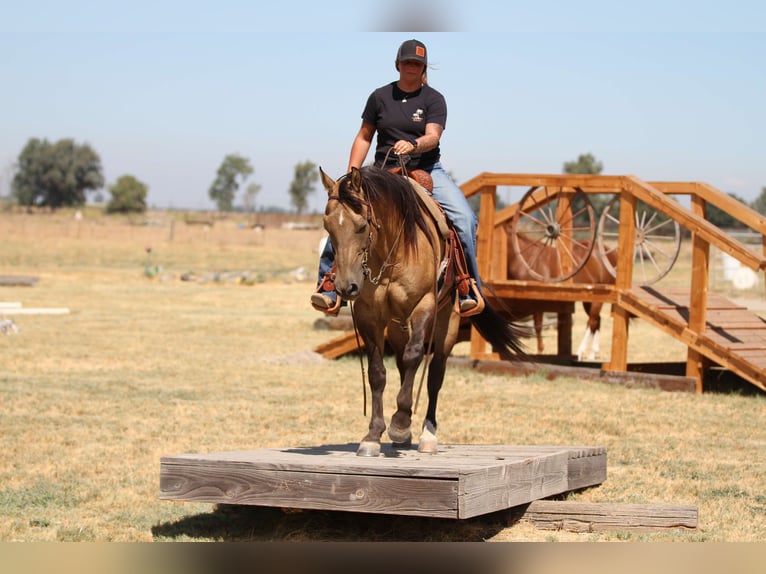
(388, 266)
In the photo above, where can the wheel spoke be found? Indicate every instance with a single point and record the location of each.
(657, 248)
(659, 225)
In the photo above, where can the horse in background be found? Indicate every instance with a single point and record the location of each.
(389, 259)
(546, 263)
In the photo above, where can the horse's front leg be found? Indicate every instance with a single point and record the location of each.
(409, 343)
(370, 445)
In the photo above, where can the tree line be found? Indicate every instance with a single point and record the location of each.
(60, 174)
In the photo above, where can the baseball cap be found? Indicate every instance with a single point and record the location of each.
(412, 50)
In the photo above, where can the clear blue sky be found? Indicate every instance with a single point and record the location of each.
(164, 90)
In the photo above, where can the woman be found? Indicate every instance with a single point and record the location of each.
(409, 117)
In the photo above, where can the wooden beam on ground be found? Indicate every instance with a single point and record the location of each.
(9, 305)
(339, 346)
(35, 311)
(595, 517)
(18, 280)
(630, 379)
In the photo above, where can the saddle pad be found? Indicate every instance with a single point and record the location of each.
(433, 208)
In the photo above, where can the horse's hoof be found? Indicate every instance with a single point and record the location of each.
(399, 435)
(368, 448)
(428, 447)
(404, 444)
(427, 443)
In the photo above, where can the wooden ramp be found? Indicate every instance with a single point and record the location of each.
(461, 481)
(339, 346)
(734, 336)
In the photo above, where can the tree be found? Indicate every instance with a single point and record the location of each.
(587, 164)
(250, 192)
(720, 218)
(759, 204)
(128, 196)
(56, 175)
(225, 186)
(302, 185)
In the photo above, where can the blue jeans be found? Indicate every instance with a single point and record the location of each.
(326, 260)
(458, 211)
(460, 214)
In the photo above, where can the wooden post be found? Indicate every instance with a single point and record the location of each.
(763, 244)
(695, 362)
(626, 248)
(564, 334)
(484, 242)
(564, 213)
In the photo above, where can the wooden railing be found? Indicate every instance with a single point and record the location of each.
(492, 243)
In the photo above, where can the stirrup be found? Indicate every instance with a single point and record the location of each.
(470, 310)
(319, 299)
(325, 304)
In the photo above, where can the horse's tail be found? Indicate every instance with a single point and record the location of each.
(504, 336)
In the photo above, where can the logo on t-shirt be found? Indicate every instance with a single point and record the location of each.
(417, 116)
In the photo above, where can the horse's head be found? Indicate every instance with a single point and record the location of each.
(347, 219)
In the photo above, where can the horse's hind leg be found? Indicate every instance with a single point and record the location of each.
(584, 344)
(537, 319)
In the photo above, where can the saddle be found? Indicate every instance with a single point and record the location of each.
(453, 268)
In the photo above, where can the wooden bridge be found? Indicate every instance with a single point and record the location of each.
(714, 330)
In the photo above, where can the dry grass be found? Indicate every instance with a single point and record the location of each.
(147, 367)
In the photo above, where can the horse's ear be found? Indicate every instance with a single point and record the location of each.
(327, 181)
(356, 178)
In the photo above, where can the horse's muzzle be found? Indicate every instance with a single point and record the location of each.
(349, 292)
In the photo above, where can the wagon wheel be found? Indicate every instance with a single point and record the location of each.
(558, 229)
(656, 246)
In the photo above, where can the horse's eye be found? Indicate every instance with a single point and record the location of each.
(361, 227)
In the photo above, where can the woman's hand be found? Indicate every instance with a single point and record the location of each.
(404, 147)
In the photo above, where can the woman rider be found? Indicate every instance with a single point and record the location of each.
(409, 117)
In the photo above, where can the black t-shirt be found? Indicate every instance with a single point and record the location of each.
(399, 115)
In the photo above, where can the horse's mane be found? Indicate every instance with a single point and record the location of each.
(390, 196)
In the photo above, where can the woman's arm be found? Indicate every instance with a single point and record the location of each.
(361, 146)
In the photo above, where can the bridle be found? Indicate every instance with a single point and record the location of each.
(373, 224)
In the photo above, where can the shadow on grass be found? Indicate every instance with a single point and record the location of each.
(253, 523)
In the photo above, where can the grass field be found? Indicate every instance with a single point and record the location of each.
(148, 366)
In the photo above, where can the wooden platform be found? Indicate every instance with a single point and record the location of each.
(461, 481)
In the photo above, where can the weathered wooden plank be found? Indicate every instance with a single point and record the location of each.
(584, 471)
(225, 484)
(502, 486)
(593, 517)
(451, 462)
(631, 379)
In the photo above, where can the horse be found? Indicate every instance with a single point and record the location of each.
(545, 260)
(389, 268)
